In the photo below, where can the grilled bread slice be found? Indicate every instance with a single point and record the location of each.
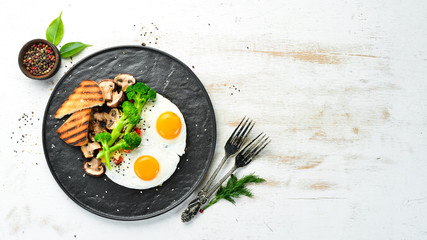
(87, 95)
(74, 131)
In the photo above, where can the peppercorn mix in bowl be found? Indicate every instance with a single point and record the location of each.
(39, 59)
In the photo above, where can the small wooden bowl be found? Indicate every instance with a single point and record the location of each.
(25, 48)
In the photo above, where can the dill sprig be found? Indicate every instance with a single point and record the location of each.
(234, 189)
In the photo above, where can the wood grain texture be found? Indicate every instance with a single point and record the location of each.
(339, 86)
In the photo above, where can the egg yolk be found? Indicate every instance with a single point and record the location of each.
(168, 125)
(146, 167)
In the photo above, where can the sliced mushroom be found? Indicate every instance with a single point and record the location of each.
(124, 80)
(112, 118)
(94, 167)
(98, 127)
(100, 116)
(107, 86)
(118, 98)
(97, 123)
(89, 149)
(91, 136)
(109, 119)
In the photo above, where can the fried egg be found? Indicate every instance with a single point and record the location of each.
(163, 125)
(144, 168)
(163, 134)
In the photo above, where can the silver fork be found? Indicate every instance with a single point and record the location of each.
(243, 158)
(232, 146)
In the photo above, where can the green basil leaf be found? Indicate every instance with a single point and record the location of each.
(72, 48)
(55, 31)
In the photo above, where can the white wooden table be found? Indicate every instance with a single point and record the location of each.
(340, 86)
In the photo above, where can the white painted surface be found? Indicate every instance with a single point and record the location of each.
(339, 86)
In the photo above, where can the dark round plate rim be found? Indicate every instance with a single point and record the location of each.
(142, 217)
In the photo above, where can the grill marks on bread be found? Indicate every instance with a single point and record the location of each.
(74, 131)
(87, 95)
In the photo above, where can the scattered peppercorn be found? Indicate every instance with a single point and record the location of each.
(39, 59)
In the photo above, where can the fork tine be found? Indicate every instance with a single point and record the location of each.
(254, 152)
(251, 150)
(238, 126)
(259, 147)
(239, 138)
(249, 159)
(245, 133)
(237, 135)
(244, 150)
(255, 145)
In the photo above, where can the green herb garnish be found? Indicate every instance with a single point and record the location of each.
(234, 189)
(54, 34)
(55, 31)
(72, 48)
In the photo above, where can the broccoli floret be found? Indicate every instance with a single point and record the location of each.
(140, 94)
(130, 116)
(103, 138)
(132, 140)
(129, 142)
(128, 108)
(131, 113)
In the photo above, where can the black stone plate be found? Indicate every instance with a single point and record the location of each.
(169, 77)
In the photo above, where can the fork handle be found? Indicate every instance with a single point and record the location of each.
(193, 208)
(214, 188)
(212, 178)
(195, 205)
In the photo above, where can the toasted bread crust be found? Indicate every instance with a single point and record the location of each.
(88, 94)
(74, 131)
